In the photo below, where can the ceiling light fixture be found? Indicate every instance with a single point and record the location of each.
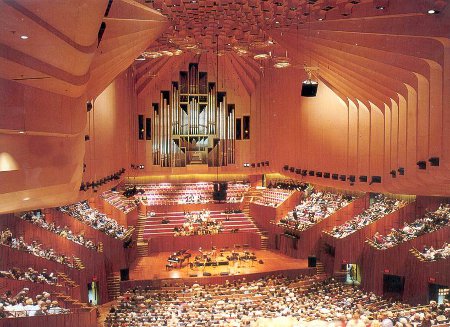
(261, 56)
(281, 62)
(24, 37)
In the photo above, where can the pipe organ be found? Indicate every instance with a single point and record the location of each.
(193, 123)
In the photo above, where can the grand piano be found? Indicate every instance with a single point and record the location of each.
(179, 257)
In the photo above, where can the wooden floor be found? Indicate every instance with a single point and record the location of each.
(154, 266)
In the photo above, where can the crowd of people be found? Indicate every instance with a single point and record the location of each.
(38, 219)
(94, 218)
(198, 223)
(31, 275)
(24, 305)
(36, 249)
(380, 207)
(243, 303)
(189, 193)
(316, 207)
(429, 253)
(431, 222)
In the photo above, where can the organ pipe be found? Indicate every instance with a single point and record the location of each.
(183, 113)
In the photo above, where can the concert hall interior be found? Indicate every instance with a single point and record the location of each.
(224, 163)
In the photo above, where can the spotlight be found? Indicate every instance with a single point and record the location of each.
(286, 167)
(363, 179)
(335, 176)
(352, 178)
(292, 169)
(342, 178)
(432, 12)
(304, 172)
(298, 171)
(326, 175)
(267, 163)
(87, 138)
(319, 174)
(311, 173)
(375, 179)
(422, 164)
(434, 161)
(393, 173)
(401, 171)
(89, 106)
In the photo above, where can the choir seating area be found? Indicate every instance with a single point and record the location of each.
(163, 223)
(188, 193)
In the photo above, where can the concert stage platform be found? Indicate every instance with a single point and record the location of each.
(151, 270)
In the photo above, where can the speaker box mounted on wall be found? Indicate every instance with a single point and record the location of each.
(309, 88)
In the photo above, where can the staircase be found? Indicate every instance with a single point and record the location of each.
(141, 244)
(264, 241)
(320, 270)
(63, 279)
(113, 283)
(248, 197)
(70, 303)
(78, 263)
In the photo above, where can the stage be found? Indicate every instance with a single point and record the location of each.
(151, 270)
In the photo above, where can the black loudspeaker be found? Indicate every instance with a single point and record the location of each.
(309, 88)
(124, 274)
(312, 260)
(220, 196)
(220, 191)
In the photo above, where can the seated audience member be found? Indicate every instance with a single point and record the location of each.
(38, 219)
(97, 220)
(431, 222)
(23, 305)
(35, 249)
(381, 207)
(316, 207)
(248, 303)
